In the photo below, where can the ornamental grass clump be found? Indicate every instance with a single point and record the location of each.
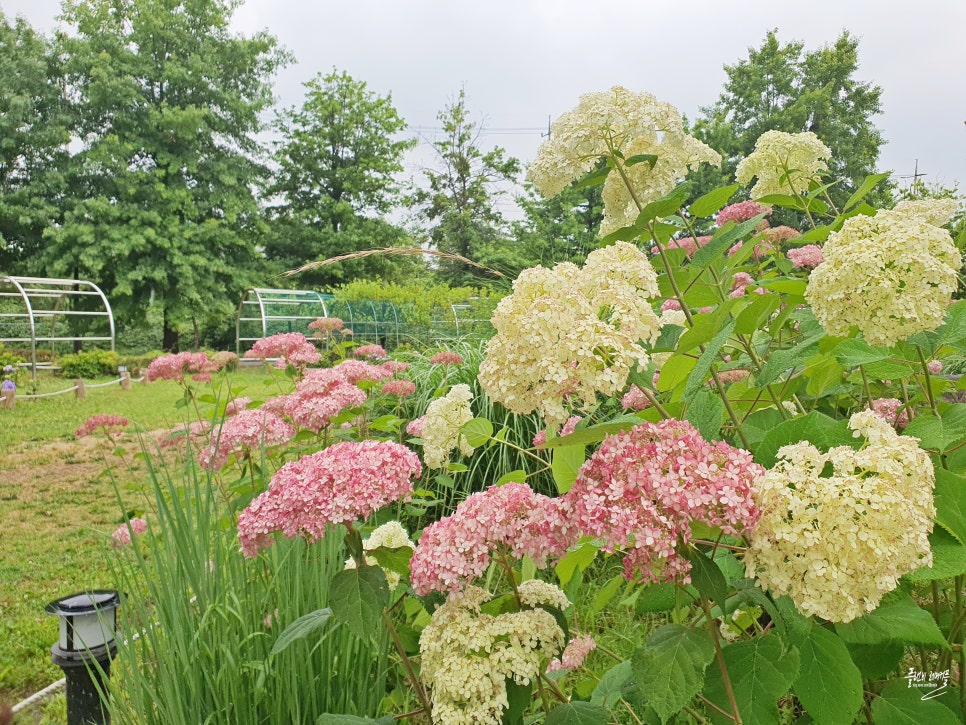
(836, 544)
(569, 333)
(891, 275)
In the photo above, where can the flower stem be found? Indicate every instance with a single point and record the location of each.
(721, 662)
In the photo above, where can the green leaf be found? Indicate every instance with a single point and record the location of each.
(900, 704)
(675, 371)
(950, 496)
(760, 422)
(876, 661)
(706, 413)
(578, 713)
(301, 628)
(723, 239)
(817, 428)
(594, 433)
(640, 158)
(939, 434)
(899, 620)
(334, 719)
(713, 201)
(357, 598)
(517, 476)
(761, 671)
(565, 462)
(753, 317)
(656, 598)
(829, 685)
(607, 592)
(610, 689)
(518, 700)
(703, 366)
(477, 431)
(822, 376)
(706, 327)
(669, 668)
(396, 560)
(871, 181)
(851, 353)
(948, 559)
(815, 206)
(577, 558)
(707, 577)
(665, 206)
(593, 178)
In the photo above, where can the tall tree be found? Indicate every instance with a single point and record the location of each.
(460, 203)
(164, 209)
(34, 134)
(784, 88)
(338, 161)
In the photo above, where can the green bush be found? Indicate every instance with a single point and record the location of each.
(137, 364)
(9, 357)
(90, 364)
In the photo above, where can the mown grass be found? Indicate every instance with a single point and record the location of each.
(58, 509)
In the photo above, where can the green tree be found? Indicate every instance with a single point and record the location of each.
(460, 204)
(162, 206)
(338, 162)
(564, 228)
(34, 134)
(782, 87)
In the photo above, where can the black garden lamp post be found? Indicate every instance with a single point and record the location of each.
(88, 625)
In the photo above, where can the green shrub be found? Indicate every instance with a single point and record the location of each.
(90, 364)
(9, 357)
(137, 364)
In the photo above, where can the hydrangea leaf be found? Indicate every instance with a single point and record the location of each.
(357, 598)
(477, 431)
(939, 434)
(665, 206)
(518, 700)
(710, 354)
(953, 330)
(301, 628)
(761, 671)
(723, 239)
(393, 559)
(753, 317)
(851, 353)
(948, 559)
(900, 704)
(669, 669)
(610, 689)
(675, 371)
(950, 496)
(577, 558)
(898, 620)
(578, 713)
(712, 202)
(784, 361)
(706, 413)
(340, 719)
(868, 184)
(817, 428)
(829, 685)
(876, 661)
(707, 577)
(565, 462)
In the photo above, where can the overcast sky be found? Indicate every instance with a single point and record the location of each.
(521, 61)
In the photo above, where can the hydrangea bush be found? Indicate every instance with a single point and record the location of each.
(746, 426)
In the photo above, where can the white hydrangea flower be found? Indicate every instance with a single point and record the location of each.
(837, 544)
(442, 423)
(570, 333)
(783, 162)
(534, 592)
(892, 275)
(467, 656)
(391, 535)
(938, 212)
(619, 121)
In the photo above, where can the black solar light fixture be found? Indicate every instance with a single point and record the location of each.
(88, 626)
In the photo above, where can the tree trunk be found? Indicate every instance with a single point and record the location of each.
(169, 337)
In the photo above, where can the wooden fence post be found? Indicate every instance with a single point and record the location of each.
(8, 400)
(81, 391)
(125, 380)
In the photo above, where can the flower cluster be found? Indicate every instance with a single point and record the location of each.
(640, 491)
(446, 357)
(291, 348)
(236, 405)
(326, 324)
(391, 535)
(574, 654)
(467, 656)
(891, 275)
(619, 124)
(836, 544)
(176, 366)
(741, 212)
(441, 426)
(320, 396)
(634, 399)
(369, 351)
(109, 424)
(569, 427)
(783, 162)
(569, 332)
(242, 433)
(340, 484)
(122, 535)
(892, 410)
(400, 388)
(938, 212)
(690, 245)
(512, 518)
(807, 257)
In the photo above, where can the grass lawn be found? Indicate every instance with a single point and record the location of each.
(58, 510)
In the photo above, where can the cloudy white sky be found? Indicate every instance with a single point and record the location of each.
(521, 61)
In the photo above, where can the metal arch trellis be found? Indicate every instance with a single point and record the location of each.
(46, 298)
(264, 312)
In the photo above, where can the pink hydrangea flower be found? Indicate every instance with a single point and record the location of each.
(892, 411)
(370, 350)
(640, 491)
(355, 371)
(541, 437)
(402, 388)
(122, 535)
(574, 654)
(670, 304)
(732, 376)
(446, 357)
(340, 484)
(326, 324)
(934, 367)
(741, 212)
(394, 366)
(456, 549)
(319, 397)
(415, 426)
(690, 245)
(176, 366)
(291, 348)
(108, 424)
(807, 257)
(243, 433)
(634, 399)
(236, 406)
